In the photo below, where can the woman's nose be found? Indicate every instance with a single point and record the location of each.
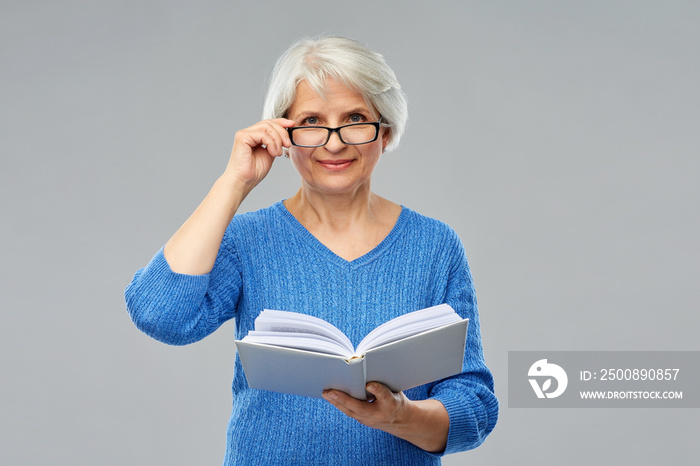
(334, 144)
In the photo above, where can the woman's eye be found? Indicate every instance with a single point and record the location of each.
(310, 121)
(356, 118)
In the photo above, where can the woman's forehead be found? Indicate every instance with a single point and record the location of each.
(336, 97)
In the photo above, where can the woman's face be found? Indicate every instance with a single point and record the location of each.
(335, 168)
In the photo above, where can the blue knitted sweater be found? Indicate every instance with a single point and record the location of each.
(268, 260)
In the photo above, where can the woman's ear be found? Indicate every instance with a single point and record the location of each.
(385, 138)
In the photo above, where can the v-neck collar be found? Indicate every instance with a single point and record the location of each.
(324, 251)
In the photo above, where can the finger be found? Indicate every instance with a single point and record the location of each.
(272, 145)
(281, 126)
(335, 399)
(338, 397)
(252, 138)
(285, 122)
(264, 135)
(370, 414)
(380, 391)
(345, 403)
(388, 402)
(272, 142)
(278, 133)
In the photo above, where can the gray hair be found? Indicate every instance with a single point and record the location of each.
(346, 61)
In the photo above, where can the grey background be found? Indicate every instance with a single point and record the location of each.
(558, 138)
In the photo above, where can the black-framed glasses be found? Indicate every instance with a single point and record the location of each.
(316, 136)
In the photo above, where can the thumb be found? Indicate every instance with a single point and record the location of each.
(380, 391)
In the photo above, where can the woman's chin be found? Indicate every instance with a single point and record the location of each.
(338, 186)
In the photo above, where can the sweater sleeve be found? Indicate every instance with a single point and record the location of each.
(468, 397)
(179, 309)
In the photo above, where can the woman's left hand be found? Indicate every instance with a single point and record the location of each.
(424, 423)
(385, 410)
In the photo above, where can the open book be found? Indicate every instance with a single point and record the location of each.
(304, 355)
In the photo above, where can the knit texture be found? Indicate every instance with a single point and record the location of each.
(268, 260)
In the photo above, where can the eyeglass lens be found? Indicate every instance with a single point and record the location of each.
(352, 134)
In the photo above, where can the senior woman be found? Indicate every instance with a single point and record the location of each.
(334, 250)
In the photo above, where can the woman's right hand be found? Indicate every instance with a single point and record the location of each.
(254, 150)
(194, 247)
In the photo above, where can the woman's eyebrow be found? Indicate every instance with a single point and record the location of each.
(363, 110)
(306, 114)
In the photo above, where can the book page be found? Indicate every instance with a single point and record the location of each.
(409, 324)
(302, 341)
(294, 322)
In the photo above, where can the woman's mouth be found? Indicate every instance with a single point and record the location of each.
(335, 165)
